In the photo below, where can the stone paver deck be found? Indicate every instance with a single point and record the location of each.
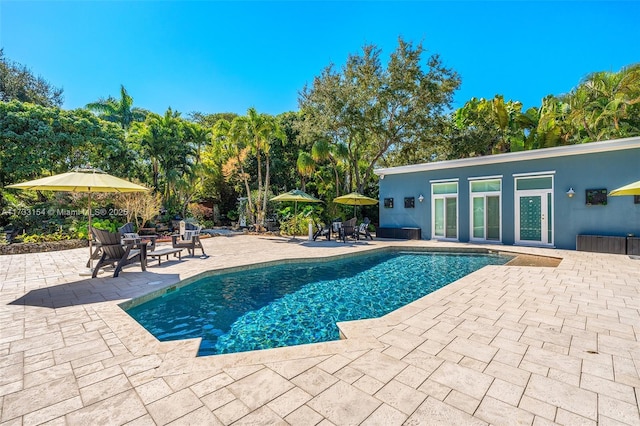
(506, 345)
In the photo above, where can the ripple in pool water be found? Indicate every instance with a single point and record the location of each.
(293, 304)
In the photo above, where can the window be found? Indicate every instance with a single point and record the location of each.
(486, 209)
(444, 199)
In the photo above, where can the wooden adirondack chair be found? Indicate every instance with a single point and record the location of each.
(114, 253)
(189, 238)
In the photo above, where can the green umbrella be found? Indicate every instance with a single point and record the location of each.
(296, 196)
(355, 199)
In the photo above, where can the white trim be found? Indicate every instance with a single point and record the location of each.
(535, 154)
(518, 175)
(444, 180)
(485, 177)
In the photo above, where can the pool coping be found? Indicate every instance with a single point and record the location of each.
(355, 335)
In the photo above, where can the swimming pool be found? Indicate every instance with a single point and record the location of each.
(295, 303)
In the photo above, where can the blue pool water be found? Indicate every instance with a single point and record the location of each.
(292, 304)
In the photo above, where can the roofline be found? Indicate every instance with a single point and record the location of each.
(536, 154)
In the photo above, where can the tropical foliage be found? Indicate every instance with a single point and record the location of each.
(371, 112)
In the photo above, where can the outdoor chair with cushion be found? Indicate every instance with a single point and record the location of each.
(336, 227)
(128, 233)
(348, 230)
(363, 229)
(189, 238)
(114, 253)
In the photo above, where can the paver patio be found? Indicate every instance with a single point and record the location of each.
(505, 345)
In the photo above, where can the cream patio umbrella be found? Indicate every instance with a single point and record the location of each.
(296, 196)
(87, 180)
(355, 199)
(630, 189)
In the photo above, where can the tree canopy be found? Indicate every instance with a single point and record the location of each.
(18, 83)
(367, 108)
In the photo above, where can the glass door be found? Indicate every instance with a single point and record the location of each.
(445, 217)
(486, 210)
(445, 210)
(486, 217)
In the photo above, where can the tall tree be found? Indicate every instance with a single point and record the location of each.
(371, 109)
(305, 166)
(603, 104)
(163, 140)
(489, 126)
(230, 148)
(258, 130)
(119, 111)
(18, 83)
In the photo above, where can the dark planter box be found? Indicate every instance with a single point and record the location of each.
(399, 233)
(601, 244)
(633, 245)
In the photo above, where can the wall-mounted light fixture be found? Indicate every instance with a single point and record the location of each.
(571, 192)
(420, 198)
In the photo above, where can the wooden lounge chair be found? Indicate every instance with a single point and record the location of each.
(127, 231)
(349, 230)
(114, 253)
(363, 229)
(189, 238)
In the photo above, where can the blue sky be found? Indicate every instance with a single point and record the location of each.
(212, 56)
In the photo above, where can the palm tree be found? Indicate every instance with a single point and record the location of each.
(336, 154)
(305, 166)
(602, 104)
(258, 130)
(229, 144)
(163, 140)
(118, 111)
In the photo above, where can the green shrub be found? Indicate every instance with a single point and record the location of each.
(42, 238)
(80, 227)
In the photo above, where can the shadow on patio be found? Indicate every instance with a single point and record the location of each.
(96, 290)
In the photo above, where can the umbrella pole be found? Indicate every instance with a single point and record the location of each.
(295, 219)
(89, 232)
(90, 271)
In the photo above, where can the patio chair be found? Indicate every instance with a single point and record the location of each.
(114, 253)
(349, 230)
(336, 227)
(363, 229)
(128, 232)
(189, 238)
(321, 230)
(97, 249)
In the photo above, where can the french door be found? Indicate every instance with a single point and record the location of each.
(444, 213)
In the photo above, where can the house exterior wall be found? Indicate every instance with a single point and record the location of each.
(572, 216)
